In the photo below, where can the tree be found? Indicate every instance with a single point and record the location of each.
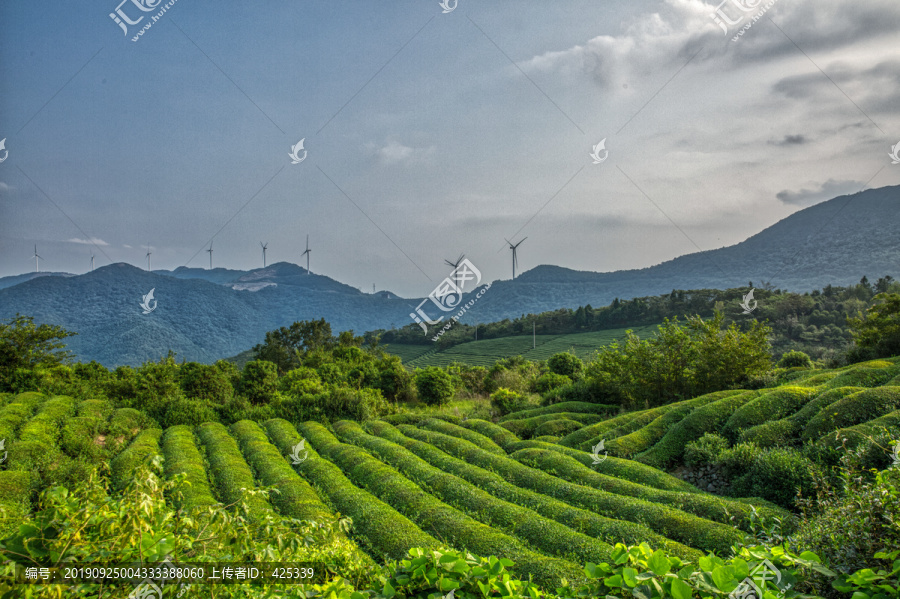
(435, 386)
(259, 381)
(565, 364)
(285, 346)
(26, 345)
(879, 331)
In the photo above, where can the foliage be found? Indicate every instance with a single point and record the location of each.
(565, 364)
(549, 381)
(776, 474)
(505, 401)
(705, 450)
(25, 346)
(795, 359)
(879, 331)
(282, 346)
(209, 383)
(259, 381)
(434, 385)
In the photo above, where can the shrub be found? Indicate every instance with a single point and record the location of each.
(180, 411)
(335, 403)
(95, 408)
(430, 513)
(587, 434)
(495, 433)
(386, 532)
(580, 407)
(505, 401)
(395, 381)
(259, 381)
(853, 409)
(705, 450)
(228, 471)
(471, 436)
(434, 385)
(12, 417)
(584, 390)
(182, 456)
(15, 500)
(556, 428)
(124, 425)
(778, 433)
(547, 438)
(144, 447)
(795, 359)
(550, 381)
(736, 461)
(771, 405)
(777, 475)
(862, 376)
(205, 382)
(80, 437)
(566, 364)
(525, 427)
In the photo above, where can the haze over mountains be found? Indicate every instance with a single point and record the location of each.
(205, 315)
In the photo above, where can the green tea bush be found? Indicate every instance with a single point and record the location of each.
(471, 436)
(705, 419)
(587, 434)
(80, 437)
(547, 438)
(545, 535)
(525, 427)
(505, 401)
(183, 457)
(549, 381)
(778, 433)
(705, 450)
(144, 446)
(259, 381)
(853, 409)
(671, 523)
(771, 405)
(584, 390)
(377, 525)
(123, 426)
(556, 428)
(434, 385)
(95, 408)
(205, 382)
(566, 364)
(795, 359)
(15, 500)
(777, 474)
(863, 376)
(227, 469)
(581, 407)
(12, 417)
(494, 432)
(430, 513)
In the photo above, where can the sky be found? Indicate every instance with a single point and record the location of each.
(432, 130)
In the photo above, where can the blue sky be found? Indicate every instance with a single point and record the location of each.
(432, 134)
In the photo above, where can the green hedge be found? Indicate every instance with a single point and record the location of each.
(430, 513)
(124, 425)
(524, 428)
(853, 409)
(860, 433)
(414, 418)
(96, 408)
(183, 456)
(641, 439)
(705, 419)
(618, 467)
(705, 506)
(144, 446)
(12, 417)
(494, 432)
(671, 523)
(595, 431)
(860, 375)
(37, 446)
(605, 529)
(15, 500)
(379, 527)
(296, 498)
(547, 438)
(771, 405)
(32, 399)
(479, 439)
(228, 471)
(80, 437)
(544, 534)
(556, 428)
(581, 407)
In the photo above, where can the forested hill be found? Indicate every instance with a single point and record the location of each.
(206, 315)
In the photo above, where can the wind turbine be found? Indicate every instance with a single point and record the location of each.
(515, 260)
(37, 267)
(264, 247)
(149, 253)
(210, 250)
(92, 261)
(306, 253)
(457, 263)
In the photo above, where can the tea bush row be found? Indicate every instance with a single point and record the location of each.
(183, 456)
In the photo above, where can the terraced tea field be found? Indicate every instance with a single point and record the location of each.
(505, 489)
(487, 351)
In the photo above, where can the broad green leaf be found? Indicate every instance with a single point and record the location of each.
(630, 576)
(680, 589)
(659, 563)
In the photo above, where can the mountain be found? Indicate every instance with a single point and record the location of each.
(16, 279)
(205, 315)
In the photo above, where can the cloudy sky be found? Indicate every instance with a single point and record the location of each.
(429, 133)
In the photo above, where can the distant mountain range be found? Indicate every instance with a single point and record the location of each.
(205, 315)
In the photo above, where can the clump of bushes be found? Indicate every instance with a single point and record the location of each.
(549, 381)
(566, 364)
(434, 385)
(795, 359)
(705, 450)
(505, 401)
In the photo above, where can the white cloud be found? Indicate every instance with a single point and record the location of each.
(91, 241)
(397, 153)
(827, 190)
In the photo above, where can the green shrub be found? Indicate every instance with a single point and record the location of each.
(863, 376)
(80, 437)
(182, 411)
(525, 427)
(494, 432)
(587, 434)
(777, 475)
(566, 364)
(434, 385)
(32, 399)
(556, 428)
(144, 446)
(868, 441)
(771, 405)
(417, 417)
(472, 436)
(12, 417)
(547, 438)
(545, 535)
(376, 524)
(853, 409)
(295, 497)
(259, 381)
(205, 382)
(505, 401)
(580, 407)
(583, 391)
(795, 359)
(228, 471)
(736, 461)
(673, 524)
(705, 419)
(778, 433)
(95, 408)
(705, 450)
(430, 513)
(182, 456)
(15, 500)
(124, 425)
(549, 381)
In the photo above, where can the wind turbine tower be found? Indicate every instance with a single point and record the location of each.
(92, 261)
(457, 263)
(37, 266)
(149, 253)
(306, 253)
(264, 246)
(210, 250)
(515, 259)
